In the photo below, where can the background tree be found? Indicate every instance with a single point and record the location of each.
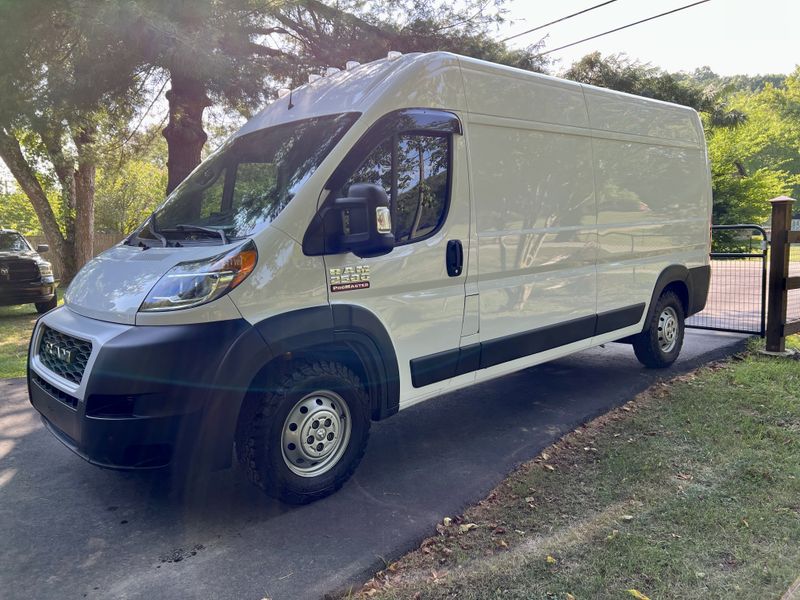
(758, 158)
(58, 102)
(130, 183)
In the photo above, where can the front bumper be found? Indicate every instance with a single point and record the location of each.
(24, 293)
(143, 400)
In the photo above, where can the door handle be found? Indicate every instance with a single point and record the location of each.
(455, 258)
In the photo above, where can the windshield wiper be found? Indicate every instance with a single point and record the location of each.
(219, 232)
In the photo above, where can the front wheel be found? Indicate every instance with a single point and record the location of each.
(660, 343)
(306, 437)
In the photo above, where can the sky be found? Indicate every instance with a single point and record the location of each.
(730, 36)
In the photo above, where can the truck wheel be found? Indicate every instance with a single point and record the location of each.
(43, 307)
(306, 437)
(659, 345)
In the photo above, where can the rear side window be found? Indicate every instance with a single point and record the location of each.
(414, 169)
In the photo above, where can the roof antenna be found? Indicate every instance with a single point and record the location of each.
(291, 104)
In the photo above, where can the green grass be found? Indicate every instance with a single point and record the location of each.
(690, 491)
(16, 325)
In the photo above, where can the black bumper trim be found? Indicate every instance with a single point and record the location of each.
(158, 395)
(459, 361)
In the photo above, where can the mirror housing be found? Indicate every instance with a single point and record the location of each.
(360, 223)
(42, 248)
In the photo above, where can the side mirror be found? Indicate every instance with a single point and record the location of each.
(42, 248)
(361, 223)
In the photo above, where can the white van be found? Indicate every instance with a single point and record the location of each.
(378, 237)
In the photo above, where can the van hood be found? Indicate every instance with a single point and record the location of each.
(113, 285)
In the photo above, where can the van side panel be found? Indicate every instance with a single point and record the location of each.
(536, 226)
(652, 194)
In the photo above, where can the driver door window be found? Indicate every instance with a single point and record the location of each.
(414, 170)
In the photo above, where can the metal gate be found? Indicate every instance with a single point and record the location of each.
(737, 296)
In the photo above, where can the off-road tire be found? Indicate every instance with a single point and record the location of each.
(648, 347)
(259, 435)
(43, 307)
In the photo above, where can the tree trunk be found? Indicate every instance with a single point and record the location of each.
(84, 195)
(62, 254)
(65, 171)
(184, 133)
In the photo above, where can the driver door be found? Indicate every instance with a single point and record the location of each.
(415, 290)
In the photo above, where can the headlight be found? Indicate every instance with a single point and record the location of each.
(193, 283)
(45, 269)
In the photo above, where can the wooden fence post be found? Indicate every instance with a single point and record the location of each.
(778, 273)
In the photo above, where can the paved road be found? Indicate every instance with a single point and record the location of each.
(70, 530)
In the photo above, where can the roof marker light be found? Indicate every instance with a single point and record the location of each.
(331, 71)
(351, 64)
(394, 55)
(283, 92)
(312, 77)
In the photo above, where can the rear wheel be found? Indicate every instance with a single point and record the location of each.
(305, 439)
(43, 307)
(660, 344)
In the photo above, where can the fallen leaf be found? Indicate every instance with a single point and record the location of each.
(465, 527)
(550, 560)
(530, 499)
(501, 543)
(569, 597)
(545, 456)
(638, 595)
(447, 521)
(550, 467)
(626, 518)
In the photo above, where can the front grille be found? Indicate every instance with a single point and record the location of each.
(56, 393)
(63, 354)
(18, 270)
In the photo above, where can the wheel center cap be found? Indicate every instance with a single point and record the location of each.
(320, 434)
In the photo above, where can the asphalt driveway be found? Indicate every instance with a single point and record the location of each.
(71, 530)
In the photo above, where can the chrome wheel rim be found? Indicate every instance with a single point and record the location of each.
(315, 433)
(668, 329)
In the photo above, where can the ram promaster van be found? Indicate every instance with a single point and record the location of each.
(375, 238)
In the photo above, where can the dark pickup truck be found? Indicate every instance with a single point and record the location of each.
(24, 275)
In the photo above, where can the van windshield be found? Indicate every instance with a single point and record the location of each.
(248, 181)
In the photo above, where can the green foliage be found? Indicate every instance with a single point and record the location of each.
(126, 195)
(131, 179)
(17, 213)
(740, 83)
(758, 159)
